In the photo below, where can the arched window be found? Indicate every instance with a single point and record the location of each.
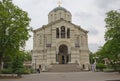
(57, 32)
(62, 32)
(68, 32)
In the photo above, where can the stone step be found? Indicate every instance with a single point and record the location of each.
(65, 68)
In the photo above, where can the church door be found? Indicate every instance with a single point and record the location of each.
(63, 54)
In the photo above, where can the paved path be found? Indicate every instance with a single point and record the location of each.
(71, 76)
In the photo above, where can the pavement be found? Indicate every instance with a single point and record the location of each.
(69, 76)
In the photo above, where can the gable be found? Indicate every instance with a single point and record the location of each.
(60, 23)
(63, 22)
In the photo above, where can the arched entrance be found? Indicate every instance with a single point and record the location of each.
(63, 54)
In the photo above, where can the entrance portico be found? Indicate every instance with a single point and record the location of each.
(63, 56)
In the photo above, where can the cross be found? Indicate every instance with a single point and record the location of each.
(59, 3)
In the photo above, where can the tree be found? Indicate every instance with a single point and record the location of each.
(112, 34)
(111, 48)
(27, 56)
(14, 28)
(17, 62)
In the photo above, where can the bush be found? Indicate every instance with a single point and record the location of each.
(21, 71)
(26, 71)
(32, 70)
(6, 71)
(108, 70)
(18, 71)
(100, 66)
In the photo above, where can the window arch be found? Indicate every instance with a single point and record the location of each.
(57, 32)
(68, 32)
(62, 32)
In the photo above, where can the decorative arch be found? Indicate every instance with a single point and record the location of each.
(63, 49)
(63, 55)
(68, 44)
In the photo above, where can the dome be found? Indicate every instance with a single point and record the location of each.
(59, 8)
(59, 13)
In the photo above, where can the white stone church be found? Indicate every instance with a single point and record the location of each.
(60, 42)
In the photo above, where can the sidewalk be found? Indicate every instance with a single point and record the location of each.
(70, 76)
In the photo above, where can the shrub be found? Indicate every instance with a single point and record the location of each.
(108, 70)
(6, 71)
(26, 71)
(100, 66)
(19, 71)
(32, 70)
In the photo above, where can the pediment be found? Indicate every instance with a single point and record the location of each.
(61, 21)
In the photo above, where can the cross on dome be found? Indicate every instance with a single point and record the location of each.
(59, 3)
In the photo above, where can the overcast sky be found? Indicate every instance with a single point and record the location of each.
(89, 14)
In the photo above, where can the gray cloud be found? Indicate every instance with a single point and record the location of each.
(106, 5)
(93, 31)
(93, 47)
(83, 15)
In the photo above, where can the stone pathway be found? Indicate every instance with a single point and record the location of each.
(69, 76)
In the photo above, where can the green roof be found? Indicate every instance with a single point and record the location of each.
(59, 8)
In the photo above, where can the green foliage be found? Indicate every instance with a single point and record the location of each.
(14, 29)
(18, 71)
(6, 71)
(108, 70)
(112, 35)
(112, 25)
(28, 57)
(100, 66)
(26, 71)
(111, 49)
(17, 63)
(91, 57)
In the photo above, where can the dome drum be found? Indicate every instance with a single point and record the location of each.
(58, 13)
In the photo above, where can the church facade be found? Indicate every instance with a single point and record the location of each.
(60, 42)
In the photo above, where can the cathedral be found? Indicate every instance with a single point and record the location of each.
(60, 42)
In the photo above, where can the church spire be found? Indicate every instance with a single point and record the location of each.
(59, 3)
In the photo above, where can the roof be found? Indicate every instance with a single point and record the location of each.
(59, 8)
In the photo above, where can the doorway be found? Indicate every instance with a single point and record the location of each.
(63, 54)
